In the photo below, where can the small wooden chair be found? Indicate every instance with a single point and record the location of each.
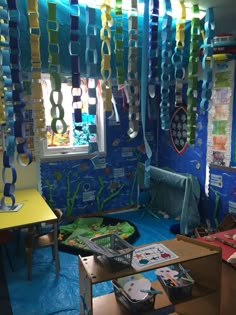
(35, 240)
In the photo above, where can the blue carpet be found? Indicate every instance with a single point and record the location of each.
(47, 295)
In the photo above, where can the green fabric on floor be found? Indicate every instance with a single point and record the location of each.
(90, 228)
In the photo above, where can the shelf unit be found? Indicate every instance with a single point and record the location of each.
(203, 260)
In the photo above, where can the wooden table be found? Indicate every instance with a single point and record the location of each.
(34, 210)
(228, 280)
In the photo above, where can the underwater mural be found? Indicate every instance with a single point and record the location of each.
(99, 184)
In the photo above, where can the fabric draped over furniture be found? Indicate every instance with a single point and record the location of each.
(176, 194)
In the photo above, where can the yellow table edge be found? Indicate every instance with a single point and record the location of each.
(34, 210)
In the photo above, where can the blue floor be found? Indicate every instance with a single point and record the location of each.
(47, 295)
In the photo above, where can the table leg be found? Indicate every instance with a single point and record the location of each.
(56, 254)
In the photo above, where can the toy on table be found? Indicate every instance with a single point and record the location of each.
(213, 238)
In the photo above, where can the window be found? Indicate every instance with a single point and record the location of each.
(73, 142)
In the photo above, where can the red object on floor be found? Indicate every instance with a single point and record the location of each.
(227, 251)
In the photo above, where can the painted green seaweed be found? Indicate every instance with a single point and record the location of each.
(101, 204)
(50, 200)
(131, 199)
(70, 200)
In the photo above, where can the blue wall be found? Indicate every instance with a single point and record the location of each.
(69, 183)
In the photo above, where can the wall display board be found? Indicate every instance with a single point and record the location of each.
(220, 115)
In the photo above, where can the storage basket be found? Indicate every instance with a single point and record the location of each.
(119, 252)
(134, 306)
(184, 286)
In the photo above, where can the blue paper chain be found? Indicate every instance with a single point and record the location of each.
(74, 50)
(153, 78)
(133, 84)
(193, 76)
(166, 65)
(91, 61)
(56, 96)
(24, 156)
(7, 129)
(177, 58)
(207, 61)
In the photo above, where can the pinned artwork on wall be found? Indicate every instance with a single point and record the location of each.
(178, 130)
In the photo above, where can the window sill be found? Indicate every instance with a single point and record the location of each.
(60, 156)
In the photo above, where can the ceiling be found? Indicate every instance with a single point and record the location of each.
(224, 12)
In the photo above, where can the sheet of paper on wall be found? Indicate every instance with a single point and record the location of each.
(98, 163)
(222, 96)
(151, 255)
(118, 172)
(127, 152)
(216, 180)
(89, 195)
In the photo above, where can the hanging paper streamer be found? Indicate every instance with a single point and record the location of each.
(105, 36)
(4, 43)
(193, 76)
(36, 87)
(91, 61)
(153, 59)
(7, 130)
(74, 51)
(24, 157)
(177, 58)
(166, 65)
(144, 84)
(58, 124)
(119, 39)
(133, 84)
(207, 60)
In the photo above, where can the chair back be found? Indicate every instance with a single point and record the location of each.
(58, 213)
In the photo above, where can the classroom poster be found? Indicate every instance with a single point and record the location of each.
(220, 114)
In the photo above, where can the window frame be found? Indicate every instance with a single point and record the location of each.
(77, 152)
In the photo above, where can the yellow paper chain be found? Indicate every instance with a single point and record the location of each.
(119, 47)
(37, 93)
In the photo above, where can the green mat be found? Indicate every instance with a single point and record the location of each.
(90, 227)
